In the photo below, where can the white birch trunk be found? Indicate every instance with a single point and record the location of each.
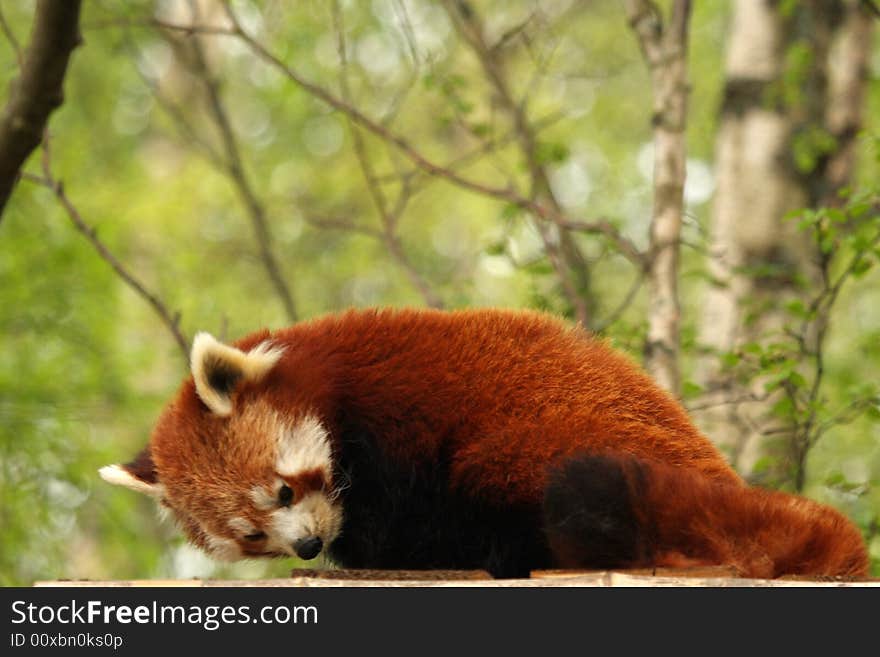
(665, 50)
(751, 196)
(757, 185)
(847, 84)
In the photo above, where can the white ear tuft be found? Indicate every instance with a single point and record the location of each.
(119, 476)
(217, 368)
(261, 359)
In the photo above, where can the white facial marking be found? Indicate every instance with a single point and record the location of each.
(263, 498)
(241, 526)
(304, 447)
(287, 525)
(313, 515)
(222, 549)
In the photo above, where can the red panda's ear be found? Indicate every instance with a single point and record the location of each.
(139, 475)
(218, 368)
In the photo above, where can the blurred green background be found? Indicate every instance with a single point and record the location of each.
(85, 364)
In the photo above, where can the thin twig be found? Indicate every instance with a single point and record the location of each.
(469, 157)
(236, 171)
(623, 244)
(407, 29)
(186, 129)
(625, 303)
(505, 194)
(562, 252)
(388, 217)
(171, 320)
(152, 23)
(728, 401)
(448, 172)
(343, 225)
(13, 40)
(809, 431)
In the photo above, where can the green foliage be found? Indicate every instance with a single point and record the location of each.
(813, 397)
(809, 146)
(798, 66)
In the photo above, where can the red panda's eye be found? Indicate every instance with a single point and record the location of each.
(256, 536)
(285, 495)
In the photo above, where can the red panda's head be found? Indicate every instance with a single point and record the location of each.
(244, 476)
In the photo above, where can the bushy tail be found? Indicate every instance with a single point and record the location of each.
(608, 510)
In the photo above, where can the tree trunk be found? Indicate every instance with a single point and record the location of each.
(39, 89)
(665, 50)
(847, 83)
(784, 96)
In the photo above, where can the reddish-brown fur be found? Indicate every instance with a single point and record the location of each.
(307, 482)
(532, 390)
(764, 533)
(687, 520)
(503, 395)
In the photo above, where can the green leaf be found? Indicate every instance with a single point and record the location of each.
(691, 389)
(552, 152)
(797, 308)
(510, 211)
(827, 242)
(836, 215)
(763, 464)
(539, 268)
(783, 408)
(496, 248)
(860, 267)
(481, 129)
(797, 379)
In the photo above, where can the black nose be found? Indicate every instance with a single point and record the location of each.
(309, 547)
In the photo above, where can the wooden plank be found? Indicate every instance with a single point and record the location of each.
(826, 578)
(139, 583)
(696, 571)
(390, 575)
(611, 580)
(623, 579)
(596, 579)
(714, 576)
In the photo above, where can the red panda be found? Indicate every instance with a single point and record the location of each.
(492, 439)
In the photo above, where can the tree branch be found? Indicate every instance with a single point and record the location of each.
(566, 258)
(13, 41)
(848, 80)
(343, 225)
(623, 244)
(505, 194)
(388, 216)
(665, 51)
(171, 320)
(234, 166)
(39, 88)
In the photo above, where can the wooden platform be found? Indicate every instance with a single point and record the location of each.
(693, 577)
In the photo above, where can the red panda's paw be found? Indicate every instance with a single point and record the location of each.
(589, 515)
